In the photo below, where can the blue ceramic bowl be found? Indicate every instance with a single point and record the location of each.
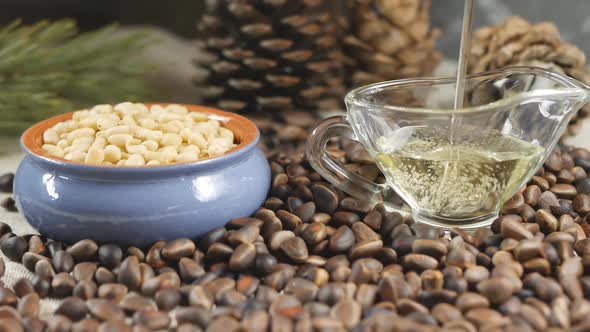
(137, 206)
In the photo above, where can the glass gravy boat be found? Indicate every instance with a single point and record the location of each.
(453, 168)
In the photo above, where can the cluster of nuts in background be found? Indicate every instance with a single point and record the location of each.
(129, 134)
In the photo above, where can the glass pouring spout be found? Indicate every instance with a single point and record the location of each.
(452, 168)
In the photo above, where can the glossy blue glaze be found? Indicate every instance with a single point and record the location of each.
(138, 206)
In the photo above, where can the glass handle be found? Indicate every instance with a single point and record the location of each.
(333, 171)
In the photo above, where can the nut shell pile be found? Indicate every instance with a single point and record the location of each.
(313, 259)
(519, 42)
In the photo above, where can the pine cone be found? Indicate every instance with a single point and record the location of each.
(389, 39)
(518, 42)
(270, 55)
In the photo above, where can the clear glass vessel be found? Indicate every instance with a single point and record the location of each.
(451, 168)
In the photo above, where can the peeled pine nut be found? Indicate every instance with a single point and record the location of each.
(151, 145)
(135, 134)
(80, 133)
(169, 139)
(50, 137)
(119, 139)
(75, 156)
(53, 150)
(135, 160)
(112, 153)
(95, 155)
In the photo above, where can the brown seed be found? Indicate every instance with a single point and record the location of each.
(348, 312)
(444, 312)
(513, 205)
(483, 316)
(243, 257)
(560, 313)
(36, 245)
(199, 297)
(408, 307)
(432, 279)
(86, 325)
(219, 252)
(114, 292)
(342, 240)
(130, 273)
(540, 182)
(247, 285)
(547, 200)
(73, 307)
(289, 220)
(104, 310)
(196, 316)
(29, 305)
(7, 312)
(256, 320)
(246, 234)
(356, 205)
(528, 249)
(564, 190)
(295, 249)
(363, 233)
(176, 249)
(497, 290)
(110, 255)
(154, 257)
(469, 300)
(366, 295)
(365, 249)
(305, 211)
(84, 271)
(547, 221)
(278, 238)
(513, 228)
(314, 233)
(134, 251)
(83, 250)
(118, 326)
(42, 286)
(265, 263)
(345, 218)
(44, 270)
(304, 290)
(189, 270)
(475, 274)
(22, 287)
(374, 219)
(85, 290)
(59, 323)
(34, 324)
(63, 261)
(14, 247)
(103, 276)
(132, 303)
(460, 257)
(167, 299)
(531, 195)
(154, 320)
(433, 248)
(325, 199)
(30, 259)
(62, 284)
(581, 204)
(527, 214)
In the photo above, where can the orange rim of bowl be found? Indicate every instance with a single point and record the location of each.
(245, 133)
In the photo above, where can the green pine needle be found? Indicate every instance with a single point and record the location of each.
(49, 68)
